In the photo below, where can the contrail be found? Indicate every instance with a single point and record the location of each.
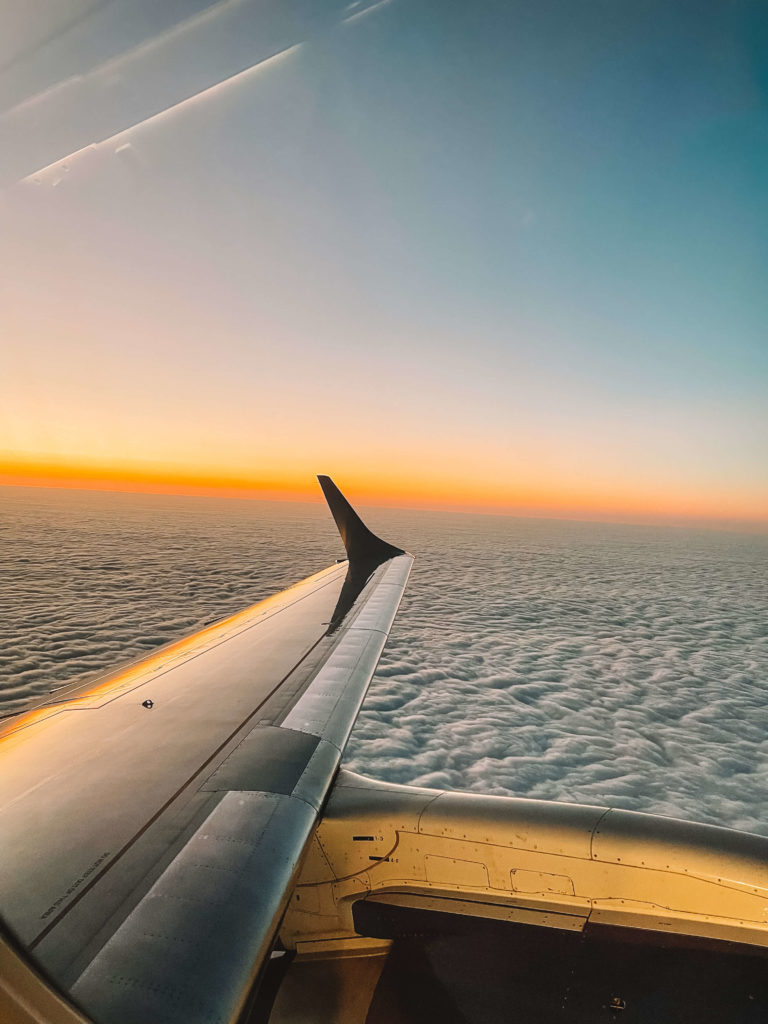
(209, 91)
(37, 136)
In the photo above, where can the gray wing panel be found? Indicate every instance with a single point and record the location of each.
(191, 950)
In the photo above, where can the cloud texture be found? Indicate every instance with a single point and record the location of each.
(568, 661)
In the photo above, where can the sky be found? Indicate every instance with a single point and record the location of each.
(501, 256)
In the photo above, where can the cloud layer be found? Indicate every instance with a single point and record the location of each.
(568, 661)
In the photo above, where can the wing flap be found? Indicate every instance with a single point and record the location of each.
(191, 950)
(271, 759)
(329, 706)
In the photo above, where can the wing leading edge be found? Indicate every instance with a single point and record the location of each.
(155, 822)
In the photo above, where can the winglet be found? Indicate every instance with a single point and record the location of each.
(362, 545)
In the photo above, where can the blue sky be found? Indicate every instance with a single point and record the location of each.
(511, 239)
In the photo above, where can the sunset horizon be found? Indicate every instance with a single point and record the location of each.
(389, 490)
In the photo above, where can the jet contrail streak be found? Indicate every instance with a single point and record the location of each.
(211, 90)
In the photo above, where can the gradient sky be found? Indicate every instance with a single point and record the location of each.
(506, 255)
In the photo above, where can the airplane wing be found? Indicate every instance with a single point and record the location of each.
(174, 830)
(154, 822)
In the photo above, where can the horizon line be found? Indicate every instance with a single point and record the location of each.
(305, 495)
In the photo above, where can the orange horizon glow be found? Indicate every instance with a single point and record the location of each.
(389, 490)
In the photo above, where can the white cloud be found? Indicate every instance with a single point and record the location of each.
(562, 661)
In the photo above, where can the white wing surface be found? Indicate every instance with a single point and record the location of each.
(154, 822)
